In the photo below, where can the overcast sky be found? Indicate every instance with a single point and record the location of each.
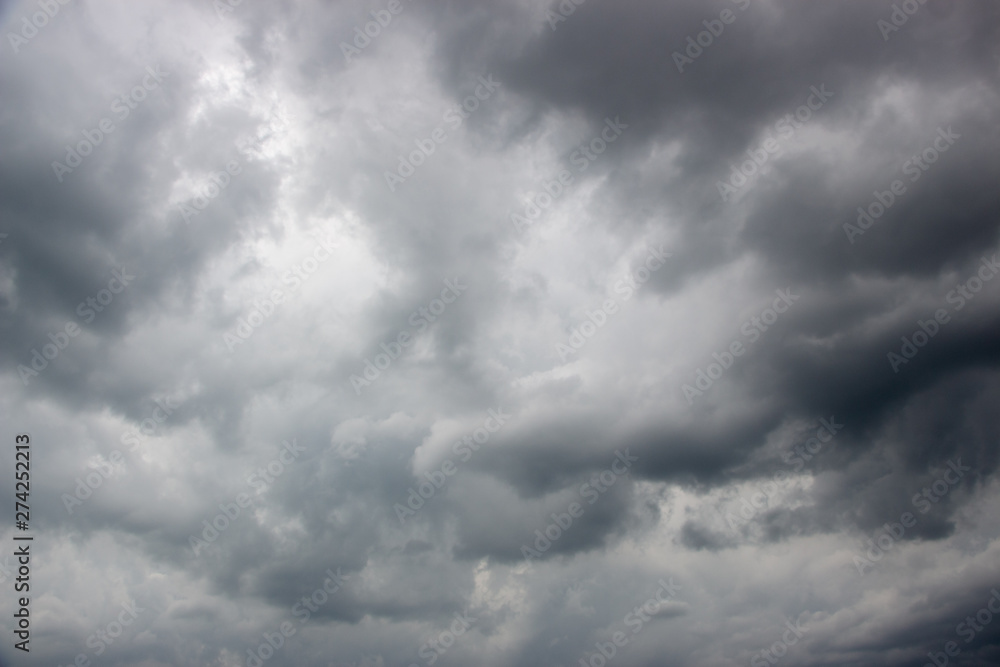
(402, 333)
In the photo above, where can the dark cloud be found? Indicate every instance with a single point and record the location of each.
(294, 198)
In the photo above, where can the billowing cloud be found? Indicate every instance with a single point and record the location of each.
(498, 332)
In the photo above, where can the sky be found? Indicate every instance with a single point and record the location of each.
(399, 333)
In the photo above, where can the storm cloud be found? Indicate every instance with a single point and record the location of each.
(501, 332)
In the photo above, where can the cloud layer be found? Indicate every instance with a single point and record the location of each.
(498, 332)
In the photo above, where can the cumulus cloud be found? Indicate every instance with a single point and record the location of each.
(401, 333)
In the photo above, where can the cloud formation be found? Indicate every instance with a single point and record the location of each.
(403, 333)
